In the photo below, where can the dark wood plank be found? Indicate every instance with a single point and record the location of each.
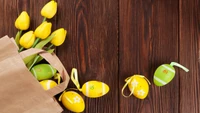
(151, 32)
(91, 47)
(189, 55)
(7, 17)
(148, 38)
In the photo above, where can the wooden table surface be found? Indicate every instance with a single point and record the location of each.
(110, 40)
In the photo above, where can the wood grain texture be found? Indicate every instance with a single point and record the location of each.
(110, 40)
(7, 17)
(148, 38)
(189, 55)
(92, 47)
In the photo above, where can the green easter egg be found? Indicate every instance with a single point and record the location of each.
(163, 74)
(43, 71)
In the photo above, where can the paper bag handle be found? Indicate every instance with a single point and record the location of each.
(52, 59)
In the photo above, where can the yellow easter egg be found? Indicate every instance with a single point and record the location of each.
(140, 86)
(94, 89)
(48, 84)
(73, 101)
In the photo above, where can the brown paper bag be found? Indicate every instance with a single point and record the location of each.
(20, 92)
(50, 106)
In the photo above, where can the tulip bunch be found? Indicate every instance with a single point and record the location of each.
(41, 36)
(25, 38)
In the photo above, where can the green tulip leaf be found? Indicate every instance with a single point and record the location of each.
(29, 58)
(17, 37)
(42, 43)
(37, 59)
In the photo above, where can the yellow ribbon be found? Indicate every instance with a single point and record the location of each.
(128, 80)
(57, 76)
(74, 78)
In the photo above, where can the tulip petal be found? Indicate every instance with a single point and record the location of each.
(50, 9)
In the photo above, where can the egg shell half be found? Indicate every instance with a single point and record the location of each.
(73, 101)
(43, 71)
(94, 89)
(140, 85)
(163, 75)
(48, 84)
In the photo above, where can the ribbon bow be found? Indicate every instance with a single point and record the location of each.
(128, 80)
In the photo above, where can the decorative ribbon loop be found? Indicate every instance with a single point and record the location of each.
(74, 78)
(179, 65)
(57, 76)
(127, 80)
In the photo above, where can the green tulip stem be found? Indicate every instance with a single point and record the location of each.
(17, 37)
(44, 19)
(36, 41)
(34, 61)
(20, 49)
(179, 65)
(50, 46)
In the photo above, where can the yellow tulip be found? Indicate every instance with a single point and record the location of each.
(43, 30)
(49, 10)
(59, 37)
(23, 21)
(27, 40)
